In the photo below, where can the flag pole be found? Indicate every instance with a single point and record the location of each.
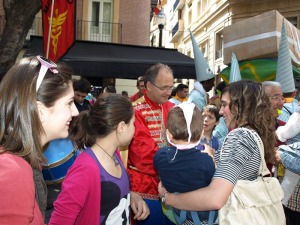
(49, 32)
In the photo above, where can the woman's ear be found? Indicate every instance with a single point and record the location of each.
(41, 111)
(121, 127)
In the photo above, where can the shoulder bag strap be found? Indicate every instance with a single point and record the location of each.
(263, 169)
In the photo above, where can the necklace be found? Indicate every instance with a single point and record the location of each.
(116, 161)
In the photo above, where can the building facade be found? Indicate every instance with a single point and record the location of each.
(114, 21)
(206, 19)
(132, 22)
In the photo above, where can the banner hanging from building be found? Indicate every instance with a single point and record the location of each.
(157, 8)
(61, 36)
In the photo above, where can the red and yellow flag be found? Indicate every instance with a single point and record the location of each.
(157, 9)
(62, 33)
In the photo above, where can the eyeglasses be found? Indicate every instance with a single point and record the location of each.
(163, 88)
(278, 98)
(45, 65)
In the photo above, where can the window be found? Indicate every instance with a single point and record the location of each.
(204, 49)
(153, 40)
(179, 14)
(189, 53)
(199, 8)
(101, 18)
(293, 20)
(219, 45)
(190, 14)
(204, 5)
(190, 17)
(95, 14)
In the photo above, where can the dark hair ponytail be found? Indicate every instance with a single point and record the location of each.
(103, 118)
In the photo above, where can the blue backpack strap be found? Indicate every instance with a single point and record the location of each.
(197, 221)
(181, 218)
(195, 218)
(211, 217)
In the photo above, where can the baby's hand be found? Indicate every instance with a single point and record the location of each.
(277, 157)
(138, 206)
(211, 152)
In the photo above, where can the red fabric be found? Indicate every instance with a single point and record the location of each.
(143, 146)
(79, 200)
(157, 9)
(214, 97)
(135, 97)
(62, 30)
(279, 123)
(17, 192)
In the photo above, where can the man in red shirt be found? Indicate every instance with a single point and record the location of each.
(151, 113)
(141, 87)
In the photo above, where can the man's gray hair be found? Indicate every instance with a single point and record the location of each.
(270, 84)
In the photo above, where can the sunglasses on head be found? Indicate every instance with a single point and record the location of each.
(46, 65)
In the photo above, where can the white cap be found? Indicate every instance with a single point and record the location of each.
(235, 74)
(284, 73)
(203, 72)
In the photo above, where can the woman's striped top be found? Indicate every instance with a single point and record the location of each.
(240, 157)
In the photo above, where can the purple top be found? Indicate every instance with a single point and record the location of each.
(115, 195)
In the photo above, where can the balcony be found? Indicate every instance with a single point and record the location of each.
(178, 5)
(85, 30)
(98, 31)
(177, 31)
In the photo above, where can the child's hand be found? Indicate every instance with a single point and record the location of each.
(138, 206)
(211, 152)
(277, 157)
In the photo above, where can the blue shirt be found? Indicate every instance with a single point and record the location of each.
(198, 99)
(213, 142)
(183, 170)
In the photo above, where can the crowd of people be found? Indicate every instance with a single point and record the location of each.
(178, 172)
